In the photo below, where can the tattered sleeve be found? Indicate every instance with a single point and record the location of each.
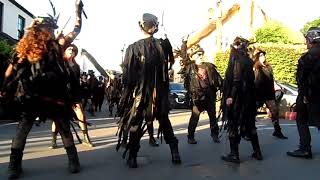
(126, 65)
(303, 73)
(169, 51)
(236, 79)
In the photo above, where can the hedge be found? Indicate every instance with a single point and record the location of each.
(282, 57)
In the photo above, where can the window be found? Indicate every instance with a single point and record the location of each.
(21, 25)
(1, 15)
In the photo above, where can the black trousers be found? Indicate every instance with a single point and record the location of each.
(302, 124)
(241, 123)
(136, 131)
(26, 123)
(135, 134)
(209, 105)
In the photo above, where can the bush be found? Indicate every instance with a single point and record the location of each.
(5, 48)
(276, 32)
(282, 57)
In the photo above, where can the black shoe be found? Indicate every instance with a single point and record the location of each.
(278, 134)
(231, 157)
(15, 167)
(53, 145)
(14, 173)
(132, 161)
(300, 153)
(257, 156)
(256, 147)
(215, 138)
(175, 153)
(153, 142)
(73, 164)
(192, 141)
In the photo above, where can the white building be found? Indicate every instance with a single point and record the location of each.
(13, 19)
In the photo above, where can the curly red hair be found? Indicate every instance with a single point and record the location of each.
(33, 45)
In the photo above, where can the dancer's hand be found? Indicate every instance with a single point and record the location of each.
(305, 100)
(229, 101)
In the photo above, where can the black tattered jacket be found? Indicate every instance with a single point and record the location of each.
(308, 79)
(239, 85)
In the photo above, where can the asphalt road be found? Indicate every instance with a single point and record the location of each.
(199, 162)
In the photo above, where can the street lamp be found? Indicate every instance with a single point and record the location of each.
(122, 51)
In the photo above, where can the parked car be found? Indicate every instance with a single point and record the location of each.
(178, 96)
(290, 93)
(285, 94)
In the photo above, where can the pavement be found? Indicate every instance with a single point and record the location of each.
(199, 162)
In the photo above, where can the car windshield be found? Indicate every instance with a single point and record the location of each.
(176, 86)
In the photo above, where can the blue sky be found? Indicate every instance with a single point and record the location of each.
(113, 24)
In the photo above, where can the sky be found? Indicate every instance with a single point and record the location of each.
(112, 25)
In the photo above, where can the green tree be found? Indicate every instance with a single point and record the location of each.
(274, 32)
(313, 23)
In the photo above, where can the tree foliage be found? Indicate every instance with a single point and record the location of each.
(313, 23)
(276, 32)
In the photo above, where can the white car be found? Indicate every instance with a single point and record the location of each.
(290, 93)
(286, 95)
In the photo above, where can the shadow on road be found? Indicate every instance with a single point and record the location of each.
(200, 161)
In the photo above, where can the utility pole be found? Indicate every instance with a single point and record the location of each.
(122, 52)
(219, 25)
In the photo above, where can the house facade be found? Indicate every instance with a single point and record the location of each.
(13, 20)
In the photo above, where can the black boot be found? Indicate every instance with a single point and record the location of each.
(132, 160)
(124, 140)
(301, 153)
(74, 165)
(215, 134)
(215, 138)
(153, 142)
(256, 147)
(15, 167)
(277, 132)
(86, 139)
(233, 156)
(54, 141)
(191, 139)
(175, 153)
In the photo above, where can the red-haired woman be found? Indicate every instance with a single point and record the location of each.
(40, 79)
